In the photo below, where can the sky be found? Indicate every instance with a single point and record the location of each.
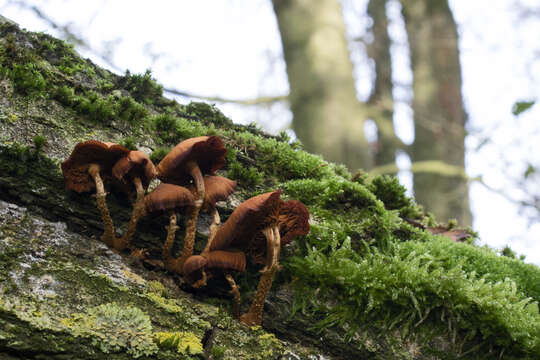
(232, 49)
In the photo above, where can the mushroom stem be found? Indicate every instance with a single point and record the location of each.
(254, 315)
(167, 247)
(108, 236)
(138, 211)
(273, 247)
(235, 291)
(189, 240)
(191, 226)
(214, 226)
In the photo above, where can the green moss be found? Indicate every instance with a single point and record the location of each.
(218, 352)
(27, 79)
(39, 142)
(391, 291)
(113, 327)
(245, 176)
(131, 111)
(482, 261)
(182, 342)
(208, 113)
(142, 87)
(158, 154)
(388, 189)
(130, 142)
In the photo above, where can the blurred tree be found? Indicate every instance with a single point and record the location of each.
(328, 118)
(381, 97)
(439, 115)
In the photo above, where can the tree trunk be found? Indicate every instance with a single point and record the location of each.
(328, 118)
(439, 115)
(381, 96)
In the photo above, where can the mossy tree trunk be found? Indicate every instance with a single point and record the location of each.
(328, 118)
(439, 115)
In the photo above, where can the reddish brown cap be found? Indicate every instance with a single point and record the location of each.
(246, 220)
(207, 151)
(135, 164)
(168, 197)
(75, 168)
(193, 268)
(293, 220)
(229, 260)
(217, 188)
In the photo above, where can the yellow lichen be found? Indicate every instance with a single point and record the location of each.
(184, 342)
(133, 277)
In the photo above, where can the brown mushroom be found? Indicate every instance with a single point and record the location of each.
(84, 170)
(217, 188)
(191, 159)
(134, 170)
(260, 214)
(199, 268)
(170, 198)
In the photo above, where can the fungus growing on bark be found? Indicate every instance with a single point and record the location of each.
(261, 215)
(170, 198)
(135, 170)
(217, 188)
(200, 268)
(191, 159)
(89, 163)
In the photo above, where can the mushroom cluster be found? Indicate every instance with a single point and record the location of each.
(257, 228)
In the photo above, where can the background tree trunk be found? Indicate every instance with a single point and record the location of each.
(381, 96)
(439, 116)
(328, 118)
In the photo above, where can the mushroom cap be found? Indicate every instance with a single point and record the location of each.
(168, 197)
(246, 221)
(224, 260)
(207, 151)
(135, 164)
(217, 188)
(75, 168)
(293, 220)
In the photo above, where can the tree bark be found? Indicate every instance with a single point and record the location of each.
(439, 115)
(328, 118)
(381, 97)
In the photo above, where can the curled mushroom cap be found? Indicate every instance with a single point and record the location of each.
(217, 188)
(168, 197)
(135, 164)
(207, 151)
(293, 220)
(75, 168)
(224, 260)
(248, 218)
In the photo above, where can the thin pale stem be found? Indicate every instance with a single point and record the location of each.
(214, 226)
(254, 315)
(273, 246)
(235, 291)
(169, 242)
(108, 236)
(138, 212)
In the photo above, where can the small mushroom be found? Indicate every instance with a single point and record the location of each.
(217, 188)
(199, 268)
(84, 170)
(260, 214)
(191, 159)
(138, 170)
(170, 198)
